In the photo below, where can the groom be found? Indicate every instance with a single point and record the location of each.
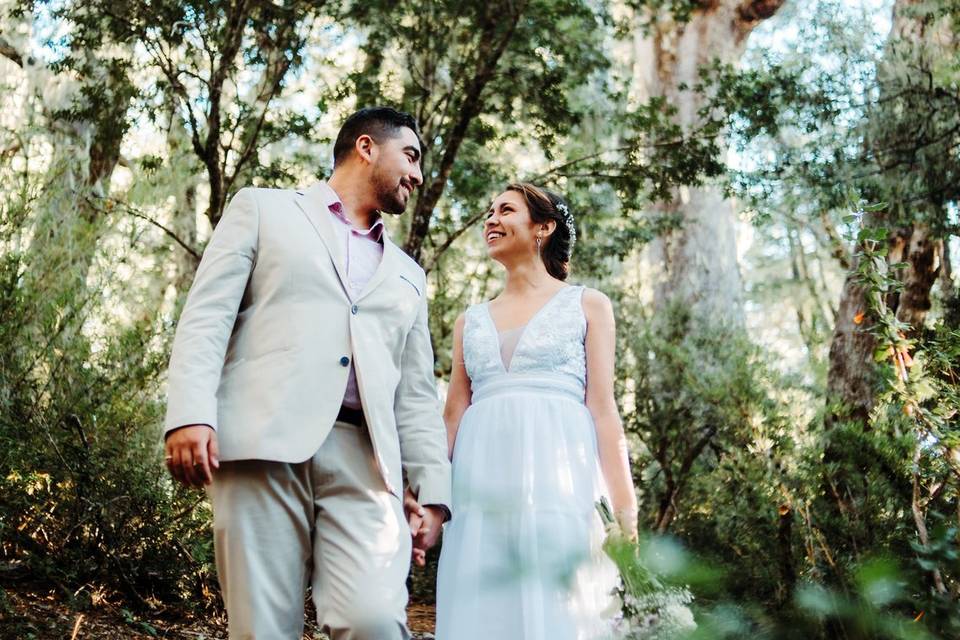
(301, 390)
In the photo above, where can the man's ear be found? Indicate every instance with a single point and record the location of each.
(366, 148)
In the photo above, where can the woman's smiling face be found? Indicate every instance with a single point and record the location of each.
(508, 230)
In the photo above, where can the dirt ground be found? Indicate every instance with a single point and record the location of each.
(38, 615)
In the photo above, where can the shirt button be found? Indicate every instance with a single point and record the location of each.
(354, 309)
(344, 361)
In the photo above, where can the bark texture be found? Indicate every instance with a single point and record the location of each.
(695, 265)
(914, 259)
(852, 378)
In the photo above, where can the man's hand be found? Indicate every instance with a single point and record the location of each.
(413, 511)
(192, 454)
(425, 523)
(428, 535)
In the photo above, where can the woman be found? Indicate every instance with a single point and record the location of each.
(535, 438)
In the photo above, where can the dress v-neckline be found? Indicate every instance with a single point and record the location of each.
(505, 367)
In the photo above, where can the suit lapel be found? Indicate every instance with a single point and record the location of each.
(390, 263)
(315, 206)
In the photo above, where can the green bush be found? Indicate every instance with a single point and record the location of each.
(85, 500)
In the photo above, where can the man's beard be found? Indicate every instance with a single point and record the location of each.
(389, 199)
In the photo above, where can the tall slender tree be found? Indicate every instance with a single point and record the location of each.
(674, 43)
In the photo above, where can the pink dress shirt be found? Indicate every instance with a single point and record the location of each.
(364, 251)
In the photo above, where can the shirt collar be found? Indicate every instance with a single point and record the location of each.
(330, 198)
(375, 232)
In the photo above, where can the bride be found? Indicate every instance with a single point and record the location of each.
(535, 438)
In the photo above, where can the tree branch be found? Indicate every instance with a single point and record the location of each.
(758, 10)
(575, 161)
(489, 55)
(451, 238)
(7, 51)
(136, 214)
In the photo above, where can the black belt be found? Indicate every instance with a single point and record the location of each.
(352, 416)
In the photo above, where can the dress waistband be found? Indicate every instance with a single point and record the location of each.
(557, 384)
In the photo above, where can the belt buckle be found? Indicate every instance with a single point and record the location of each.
(350, 416)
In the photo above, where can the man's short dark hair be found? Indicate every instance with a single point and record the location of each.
(376, 122)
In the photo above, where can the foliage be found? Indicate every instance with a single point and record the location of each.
(880, 125)
(84, 497)
(471, 71)
(717, 437)
(649, 609)
(221, 68)
(678, 10)
(110, 151)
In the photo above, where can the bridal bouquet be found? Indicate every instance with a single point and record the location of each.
(649, 610)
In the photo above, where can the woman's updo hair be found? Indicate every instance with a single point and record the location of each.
(545, 205)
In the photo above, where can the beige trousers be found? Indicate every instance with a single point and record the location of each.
(328, 521)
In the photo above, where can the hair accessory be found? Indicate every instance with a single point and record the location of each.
(568, 220)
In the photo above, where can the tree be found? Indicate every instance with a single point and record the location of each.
(475, 74)
(909, 167)
(223, 64)
(675, 42)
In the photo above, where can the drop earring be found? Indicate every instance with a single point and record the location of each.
(539, 242)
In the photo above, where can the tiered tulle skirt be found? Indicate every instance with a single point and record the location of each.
(521, 558)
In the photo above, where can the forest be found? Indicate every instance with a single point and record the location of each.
(767, 190)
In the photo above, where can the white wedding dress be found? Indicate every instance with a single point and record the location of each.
(521, 557)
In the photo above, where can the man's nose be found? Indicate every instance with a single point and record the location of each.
(417, 176)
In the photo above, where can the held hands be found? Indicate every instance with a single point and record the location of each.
(425, 526)
(192, 454)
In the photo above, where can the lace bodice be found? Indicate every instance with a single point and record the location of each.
(551, 343)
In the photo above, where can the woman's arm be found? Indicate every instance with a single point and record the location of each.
(611, 441)
(458, 393)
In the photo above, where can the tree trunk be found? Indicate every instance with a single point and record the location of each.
(696, 264)
(921, 252)
(788, 572)
(498, 29)
(183, 221)
(853, 374)
(854, 377)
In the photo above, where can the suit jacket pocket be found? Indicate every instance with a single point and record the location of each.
(411, 283)
(271, 353)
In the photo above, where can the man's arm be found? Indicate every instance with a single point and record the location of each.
(200, 345)
(423, 439)
(459, 392)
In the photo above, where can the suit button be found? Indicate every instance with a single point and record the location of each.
(344, 361)
(354, 309)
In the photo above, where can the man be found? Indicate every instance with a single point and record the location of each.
(301, 390)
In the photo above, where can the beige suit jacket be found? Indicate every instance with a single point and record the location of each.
(263, 345)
